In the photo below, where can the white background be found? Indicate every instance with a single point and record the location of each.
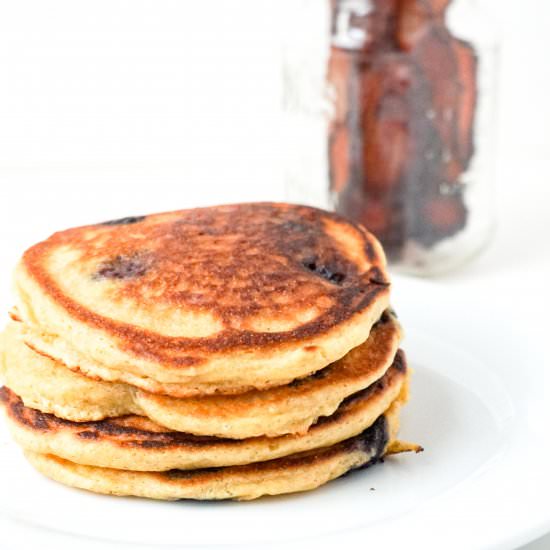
(111, 108)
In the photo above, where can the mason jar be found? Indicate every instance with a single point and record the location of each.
(412, 127)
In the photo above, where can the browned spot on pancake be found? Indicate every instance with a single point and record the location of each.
(400, 362)
(23, 414)
(370, 252)
(319, 375)
(235, 262)
(373, 442)
(124, 221)
(311, 348)
(385, 318)
(123, 267)
(378, 277)
(375, 438)
(88, 434)
(188, 474)
(14, 316)
(331, 273)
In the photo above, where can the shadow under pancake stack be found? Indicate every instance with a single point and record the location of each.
(224, 352)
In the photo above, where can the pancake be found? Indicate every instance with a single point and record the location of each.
(48, 386)
(299, 472)
(211, 300)
(135, 443)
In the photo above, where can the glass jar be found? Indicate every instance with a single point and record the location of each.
(412, 129)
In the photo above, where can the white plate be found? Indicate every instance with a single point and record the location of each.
(477, 407)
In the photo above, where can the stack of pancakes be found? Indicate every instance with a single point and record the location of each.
(224, 352)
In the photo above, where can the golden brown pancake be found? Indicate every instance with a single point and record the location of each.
(210, 300)
(135, 443)
(299, 472)
(50, 387)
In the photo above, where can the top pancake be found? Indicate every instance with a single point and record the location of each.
(219, 299)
